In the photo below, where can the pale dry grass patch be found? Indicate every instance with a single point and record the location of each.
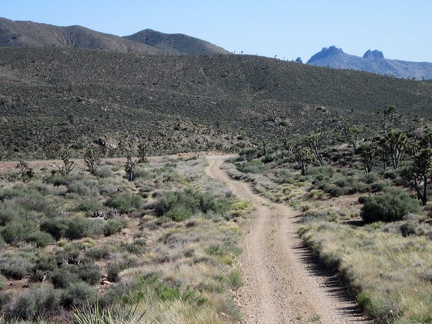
(180, 312)
(389, 271)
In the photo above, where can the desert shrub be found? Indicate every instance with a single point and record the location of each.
(321, 172)
(22, 191)
(104, 172)
(389, 206)
(40, 239)
(14, 266)
(70, 228)
(17, 231)
(114, 269)
(142, 173)
(248, 154)
(137, 247)
(2, 283)
(98, 253)
(24, 308)
(360, 187)
(9, 213)
(36, 203)
(125, 202)
(57, 179)
(180, 205)
(337, 192)
(56, 227)
(107, 189)
(254, 166)
(114, 226)
(369, 178)
(64, 276)
(77, 295)
(89, 206)
(88, 273)
(96, 227)
(34, 305)
(5, 298)
(82, 188)
(381, 185)
(77, 228)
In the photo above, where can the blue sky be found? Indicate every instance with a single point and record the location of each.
(286, 29)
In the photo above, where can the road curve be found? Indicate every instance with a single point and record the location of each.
(281, 283)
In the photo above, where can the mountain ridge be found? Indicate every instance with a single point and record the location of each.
(175, 43)
(372, 62)
(51, 97)
(32, 34)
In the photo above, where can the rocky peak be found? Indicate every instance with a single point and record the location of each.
(373, 55)
(326, 52)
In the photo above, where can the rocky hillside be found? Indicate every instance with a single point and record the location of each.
(31, 34)
(55, 96)
(175, 43)
(372, 61)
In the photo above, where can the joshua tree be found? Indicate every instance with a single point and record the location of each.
(127, 146)
(418, 175)
(26, 172)
(68, 164)
(370, 154)
(92, 159)
(396, 143)
(303, 156)
(142, 152)
(313, 141)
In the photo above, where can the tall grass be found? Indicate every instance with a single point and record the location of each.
(391, 273)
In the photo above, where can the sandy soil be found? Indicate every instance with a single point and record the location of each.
(282, 283)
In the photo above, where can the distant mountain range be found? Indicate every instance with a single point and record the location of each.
(372, 61)
(31, 34)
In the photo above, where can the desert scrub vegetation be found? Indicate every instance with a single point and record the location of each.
(364, 202)
(84, 246)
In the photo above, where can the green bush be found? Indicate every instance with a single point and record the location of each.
(24, 308)
(40, 303)
(9, 213)
(77, 295)
(64, 276)
(113, 271)
(56, 227)
(73, 228)
(17, 231)
(254, 166)
(88, 273)
(89, 206)
(180, 205)
(125, 202)
(40, 239)
(14, 267)
(114, 226)
(391, 205)
(77, 228)
(98, 253)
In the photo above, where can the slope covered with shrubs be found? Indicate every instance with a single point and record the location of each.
(83, 246)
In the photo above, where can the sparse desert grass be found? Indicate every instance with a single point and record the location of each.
(80, 233)
(390, 273)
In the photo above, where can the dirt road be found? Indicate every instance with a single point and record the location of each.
(281, 283)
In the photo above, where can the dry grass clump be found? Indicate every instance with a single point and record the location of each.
(391, 273)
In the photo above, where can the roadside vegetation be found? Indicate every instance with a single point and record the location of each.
(94, 246)
(365, 203)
